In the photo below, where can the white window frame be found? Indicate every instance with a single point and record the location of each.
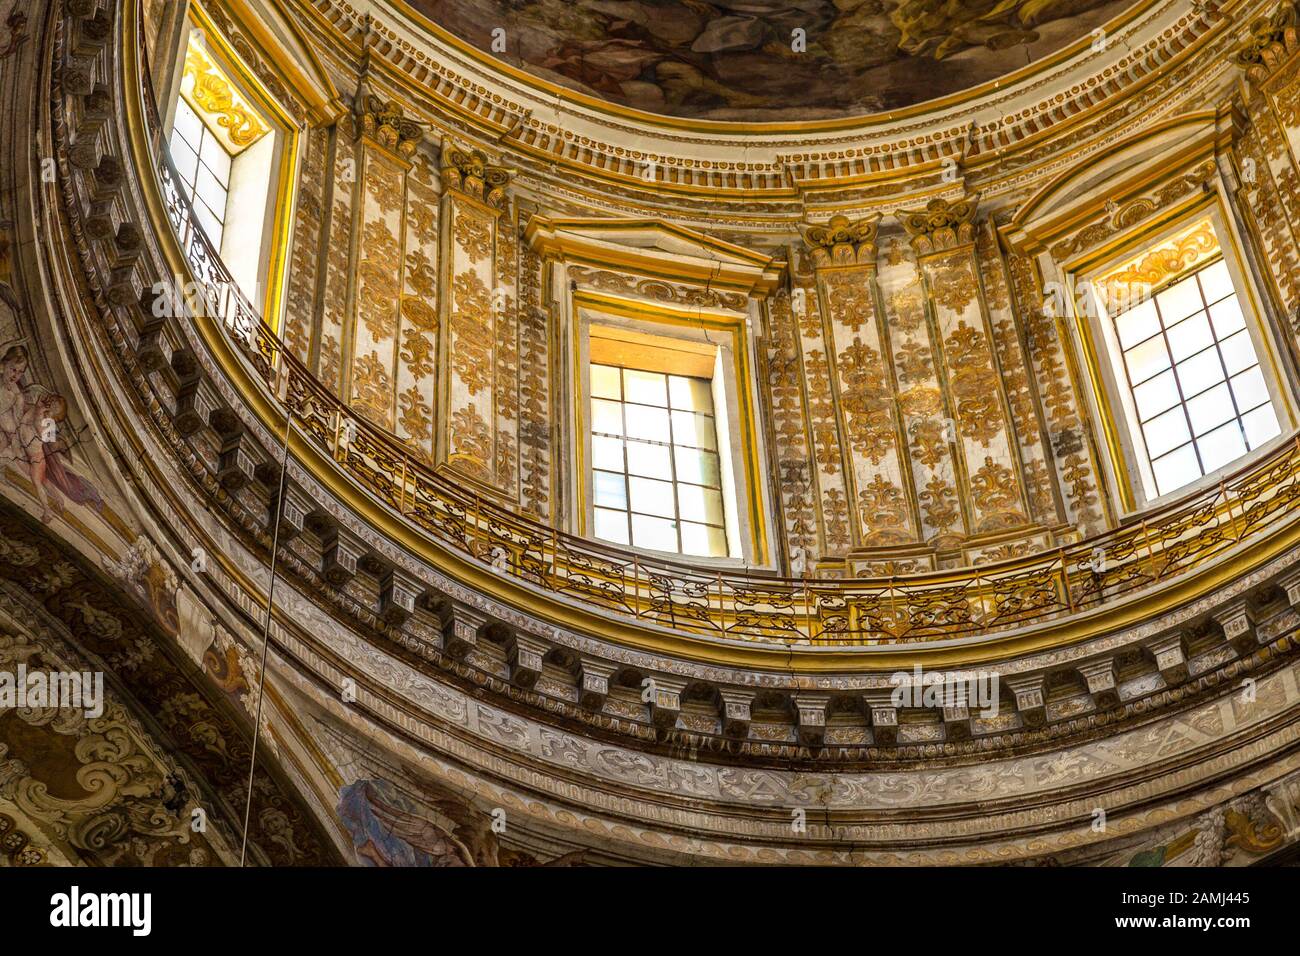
(742, 497)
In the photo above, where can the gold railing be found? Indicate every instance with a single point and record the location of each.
(745, 605)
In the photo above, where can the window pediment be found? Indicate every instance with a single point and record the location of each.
(658, 250)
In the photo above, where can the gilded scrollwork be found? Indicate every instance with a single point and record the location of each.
(867, 400)
(974, 384)
(996, 494)
(1134, 280)
(884, 512)
(952, 283)
(474, 235)
(372, 389)
(471, 353)
(213, 94)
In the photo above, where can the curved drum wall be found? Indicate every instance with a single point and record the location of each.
(441, 623)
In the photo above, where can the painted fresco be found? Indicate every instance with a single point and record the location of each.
(736, 59)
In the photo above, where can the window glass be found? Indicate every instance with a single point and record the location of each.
(203, 166)
(1197, 385)
(656, 476)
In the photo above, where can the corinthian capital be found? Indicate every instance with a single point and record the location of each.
(842, 241)
(1272, 41)
(470, 172)
(941, 225)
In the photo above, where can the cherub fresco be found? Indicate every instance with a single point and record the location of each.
(34, 439)
(739, 59)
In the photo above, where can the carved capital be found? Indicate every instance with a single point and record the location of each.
(941, 225)
(842, 241)
(469, 171)
(386, 123)
(1272, 41)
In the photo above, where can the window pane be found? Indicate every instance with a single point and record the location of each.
(216, 158)
(607, 453)
(1156, 396)
(652, 497)
(1200, 372)
(1250, 389)
(185, 160)
(649, 461)
(210, 223)
(647, 388)
(1227, 317)
(188, 125)
(1221, 446)
(609, 489)
(650, 424)
(1190, 336)
(691, 394)
(699, 504)
(1176, 469)
(1206, 347)
(657, 533)
(698, 467)
(605, 382)
(1238, 352)
(1211, 409)
(612, 526)
(666, 464)
(1137, 324)
(1215, 281)
(211, 192)
(1148, 359)
(606, 417)
(701, 539)
(1179, 301)
(1165, 432)
(694, 429)
(1261, 426)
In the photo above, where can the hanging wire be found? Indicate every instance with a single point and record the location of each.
(266, 630)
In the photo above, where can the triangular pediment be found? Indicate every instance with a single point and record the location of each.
(653, 248)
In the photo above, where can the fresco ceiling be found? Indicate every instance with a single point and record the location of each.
(733, 59)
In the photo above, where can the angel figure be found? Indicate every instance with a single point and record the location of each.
(31, 417)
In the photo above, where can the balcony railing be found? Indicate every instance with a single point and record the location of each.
(752, 606)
